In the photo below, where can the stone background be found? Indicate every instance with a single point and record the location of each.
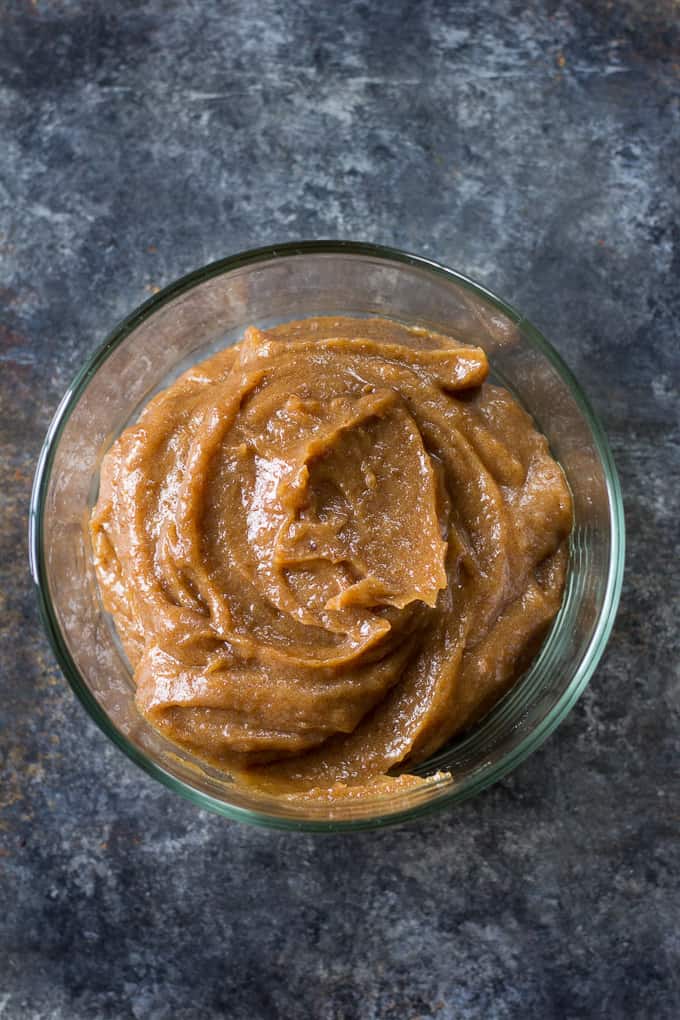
(535, 146)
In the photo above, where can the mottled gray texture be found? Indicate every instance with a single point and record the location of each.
(537, 147)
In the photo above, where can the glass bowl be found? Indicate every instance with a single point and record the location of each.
(207, 310)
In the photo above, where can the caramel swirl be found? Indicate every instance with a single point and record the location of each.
(328, 549)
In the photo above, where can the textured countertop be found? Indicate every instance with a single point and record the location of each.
(535, 146)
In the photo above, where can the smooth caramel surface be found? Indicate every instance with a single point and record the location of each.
(327, 550)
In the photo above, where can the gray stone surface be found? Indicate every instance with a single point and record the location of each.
(537, 147)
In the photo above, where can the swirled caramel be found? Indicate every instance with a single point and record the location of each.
(327, 550)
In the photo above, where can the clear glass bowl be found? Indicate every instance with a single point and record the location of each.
(209, 309)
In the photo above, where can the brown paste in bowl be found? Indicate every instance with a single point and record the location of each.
(327, 550)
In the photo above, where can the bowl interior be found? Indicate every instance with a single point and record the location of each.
(210, 309)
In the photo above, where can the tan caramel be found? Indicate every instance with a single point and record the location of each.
(329, 549)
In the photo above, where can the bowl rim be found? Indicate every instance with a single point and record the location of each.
(38, 568)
